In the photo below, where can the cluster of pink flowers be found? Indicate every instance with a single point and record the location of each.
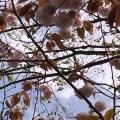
(100, 105)
(46, 14)
(11, 19)
(49, 14)
(86, 116)
(39, 56)
(18, 7)
(46, 89)
(115, 63)
(17, 55)
(87, 90)
(104, 10)
(68, 4)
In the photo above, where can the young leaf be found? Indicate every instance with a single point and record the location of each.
(43, 66)
(93, 5)
(60, 44)
(27, 87)
(109, 114)
(77, 67)
(26, 98)
(81, 32)
(88, 26)
(56, 36)
(25, 9)
(27, 17)
(19, 115)
(117, 17)
(7, 104)
(49, 47)
(15, 100)
(111, 16)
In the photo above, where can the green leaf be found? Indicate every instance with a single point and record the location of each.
(109, 114)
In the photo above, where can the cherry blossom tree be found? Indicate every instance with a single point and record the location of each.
(48, 46)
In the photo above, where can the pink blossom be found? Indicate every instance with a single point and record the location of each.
(82, 115)
(18, 7)
(66, 33)
(13, 64)
(87, 90)
(61, 4)
(48, 94)
(44, 19)
(104, 10)
(66, 4)
(44, 87)
(10, 6)
(100, 105)
(49, 9)
(79, 14)
(17, 55)
(10, 19)
(19, 106)
(39, 56)
(63, 20)
(72, 13)
(76, 4)
(115, 63)
(78, 21)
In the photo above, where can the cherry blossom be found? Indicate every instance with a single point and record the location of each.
(63, 20)
(100, 105)
(66, 33)
(87, 90)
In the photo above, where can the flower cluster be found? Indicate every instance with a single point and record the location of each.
(18, 7)
(11, 19)
(104, 10)
(100, 105)
(17, 55)
(86, 116)
(82, 115)
(87, 90)
(68, 4)
(48, 14)
(46, 89)
(115, 63)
